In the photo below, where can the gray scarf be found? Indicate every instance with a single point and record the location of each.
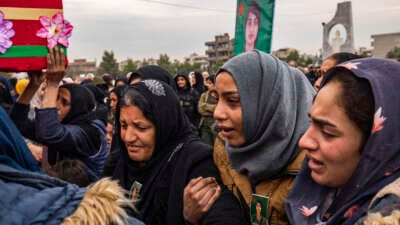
(275, 100)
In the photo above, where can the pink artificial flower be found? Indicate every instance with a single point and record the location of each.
(378, 121)
(308, 211)
(350, 65)
(56, 30)
(6, 32)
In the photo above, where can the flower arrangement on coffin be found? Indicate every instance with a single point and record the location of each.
(27, 30)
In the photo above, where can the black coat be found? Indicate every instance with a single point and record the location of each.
(178, 157)
(194, 159)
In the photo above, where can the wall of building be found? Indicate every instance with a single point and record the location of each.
(383, 43)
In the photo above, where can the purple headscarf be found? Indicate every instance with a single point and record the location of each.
(379, 163)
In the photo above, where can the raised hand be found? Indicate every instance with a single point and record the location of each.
(55, 65)
(36, 78)
(198, 197)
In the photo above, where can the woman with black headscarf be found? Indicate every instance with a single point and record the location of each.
(109, 164)
(66, 122)
(188, 98)
(143, 73)
(198, 83)
(101, 111)
(152, 72)
(161, 154)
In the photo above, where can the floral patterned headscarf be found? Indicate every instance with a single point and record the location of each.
(379, 163)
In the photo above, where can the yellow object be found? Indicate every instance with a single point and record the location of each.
(15, 13)
(21, 85)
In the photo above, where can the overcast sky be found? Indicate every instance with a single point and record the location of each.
(145, 28)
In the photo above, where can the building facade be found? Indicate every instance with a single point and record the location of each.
(81, 66)
(195, 58)
(384, 43)
(283, 53)
(219, 50)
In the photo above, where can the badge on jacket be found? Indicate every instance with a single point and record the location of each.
(259, 209)
(134, 191)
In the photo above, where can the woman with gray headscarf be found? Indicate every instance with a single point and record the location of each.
(262, 113)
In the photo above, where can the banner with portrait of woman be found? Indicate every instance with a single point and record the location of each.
(254, 22)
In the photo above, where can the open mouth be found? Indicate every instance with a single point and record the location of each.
(315, 164)
(227, 132)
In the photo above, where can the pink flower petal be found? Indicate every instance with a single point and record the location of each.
(10, 33)
(51, 43)
(42, 33)
(8, 24)
(2, 50)
(57, 18)
(63, 41)
(7, 44)
(67, 29)
(45, 21)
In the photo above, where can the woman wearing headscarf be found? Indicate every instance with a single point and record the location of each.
(197, 82)
(66, 122)
(22, 186)
(143, 73)
(153, 72)
(101, 111)
(331, 61)
(352, 145)
(160, 155)
(188, 98)
(262, 112)
(121, 81)
(112, 158)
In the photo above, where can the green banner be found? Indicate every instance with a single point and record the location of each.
(26, 51)
(254, 22)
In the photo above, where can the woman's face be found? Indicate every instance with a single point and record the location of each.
(181, 82)
(252, 25)
(138, 133)
(228, 112)
(210, 86)
(113, 101)
(333, 141)
(63, 103)
(192, 79)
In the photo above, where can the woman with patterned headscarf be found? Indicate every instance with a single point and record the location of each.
(160, 154)
(353, 148)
